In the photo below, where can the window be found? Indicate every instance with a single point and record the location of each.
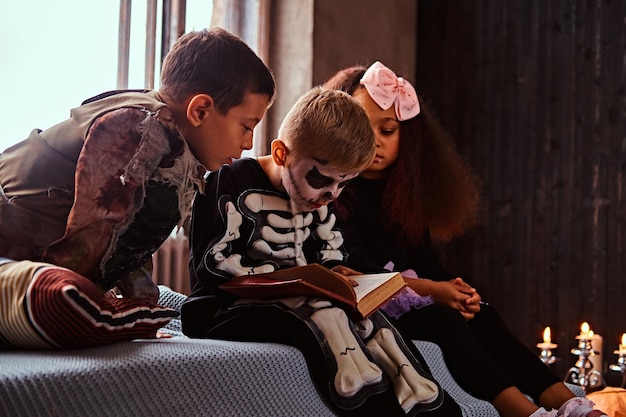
(55, 54)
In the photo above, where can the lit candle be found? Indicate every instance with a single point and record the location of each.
(546, 347)
(596, 345)
(622, 346)
(595, 341)
(546, 335)
(547, 341)
(585, 331)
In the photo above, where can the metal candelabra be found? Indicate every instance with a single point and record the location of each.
(546, 355)
(582, 373)
(620, 366)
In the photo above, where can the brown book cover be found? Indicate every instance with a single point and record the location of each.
(315, 280)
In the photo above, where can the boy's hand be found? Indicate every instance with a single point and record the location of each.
(139, 285)
(344, 272)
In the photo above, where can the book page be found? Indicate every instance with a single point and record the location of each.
(369, 282)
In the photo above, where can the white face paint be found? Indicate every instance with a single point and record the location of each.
(311, 183)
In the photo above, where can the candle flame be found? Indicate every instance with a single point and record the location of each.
(546, 335)
(624, 340)
(584, 328)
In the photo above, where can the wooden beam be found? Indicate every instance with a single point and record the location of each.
(123, 44)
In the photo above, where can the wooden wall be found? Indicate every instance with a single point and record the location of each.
(534, 94)
(351, 32)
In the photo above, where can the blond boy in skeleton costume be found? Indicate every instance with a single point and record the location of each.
(259, 215)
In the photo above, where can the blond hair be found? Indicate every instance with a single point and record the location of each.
(329, 125)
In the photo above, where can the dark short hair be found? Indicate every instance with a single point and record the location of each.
(217, 63)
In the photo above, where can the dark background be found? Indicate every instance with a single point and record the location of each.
(533, 93)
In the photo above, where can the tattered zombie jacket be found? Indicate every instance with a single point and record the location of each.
(244, 225)
(99, 192)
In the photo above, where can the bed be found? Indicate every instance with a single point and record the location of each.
(178, 376)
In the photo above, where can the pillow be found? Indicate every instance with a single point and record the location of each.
(44, 306)
(611, 400)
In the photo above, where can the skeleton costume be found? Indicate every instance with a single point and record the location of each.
(244, 225)
(99, 192)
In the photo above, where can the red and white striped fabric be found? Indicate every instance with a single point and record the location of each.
(46, 307)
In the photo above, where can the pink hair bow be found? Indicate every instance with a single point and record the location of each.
(387, 89)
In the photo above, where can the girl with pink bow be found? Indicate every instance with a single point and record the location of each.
(417, 190)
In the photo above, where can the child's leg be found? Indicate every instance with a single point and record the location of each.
(491, 345)
(521, 364)
(354, 369)
(274, 324)
(404, 365)
(512, 403)
(414, 392)
(410, 387)
(555, 395)
(579, 407)
(574, 407)
(481, 376)
(527, 371)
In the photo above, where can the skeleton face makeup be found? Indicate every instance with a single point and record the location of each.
(312, 183)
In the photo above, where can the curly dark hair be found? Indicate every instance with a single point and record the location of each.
(430, 186)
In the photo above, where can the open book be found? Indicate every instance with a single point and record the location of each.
(314, 280)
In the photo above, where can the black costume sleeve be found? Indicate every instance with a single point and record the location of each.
(372, 243)
(207, 227)
(359, 251)
(426, 261)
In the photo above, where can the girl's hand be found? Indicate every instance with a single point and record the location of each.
(459, 295)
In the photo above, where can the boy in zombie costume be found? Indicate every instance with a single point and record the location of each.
(99, 192)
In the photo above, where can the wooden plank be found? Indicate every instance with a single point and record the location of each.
(123, 52)
(534, 93)
(150, 64)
